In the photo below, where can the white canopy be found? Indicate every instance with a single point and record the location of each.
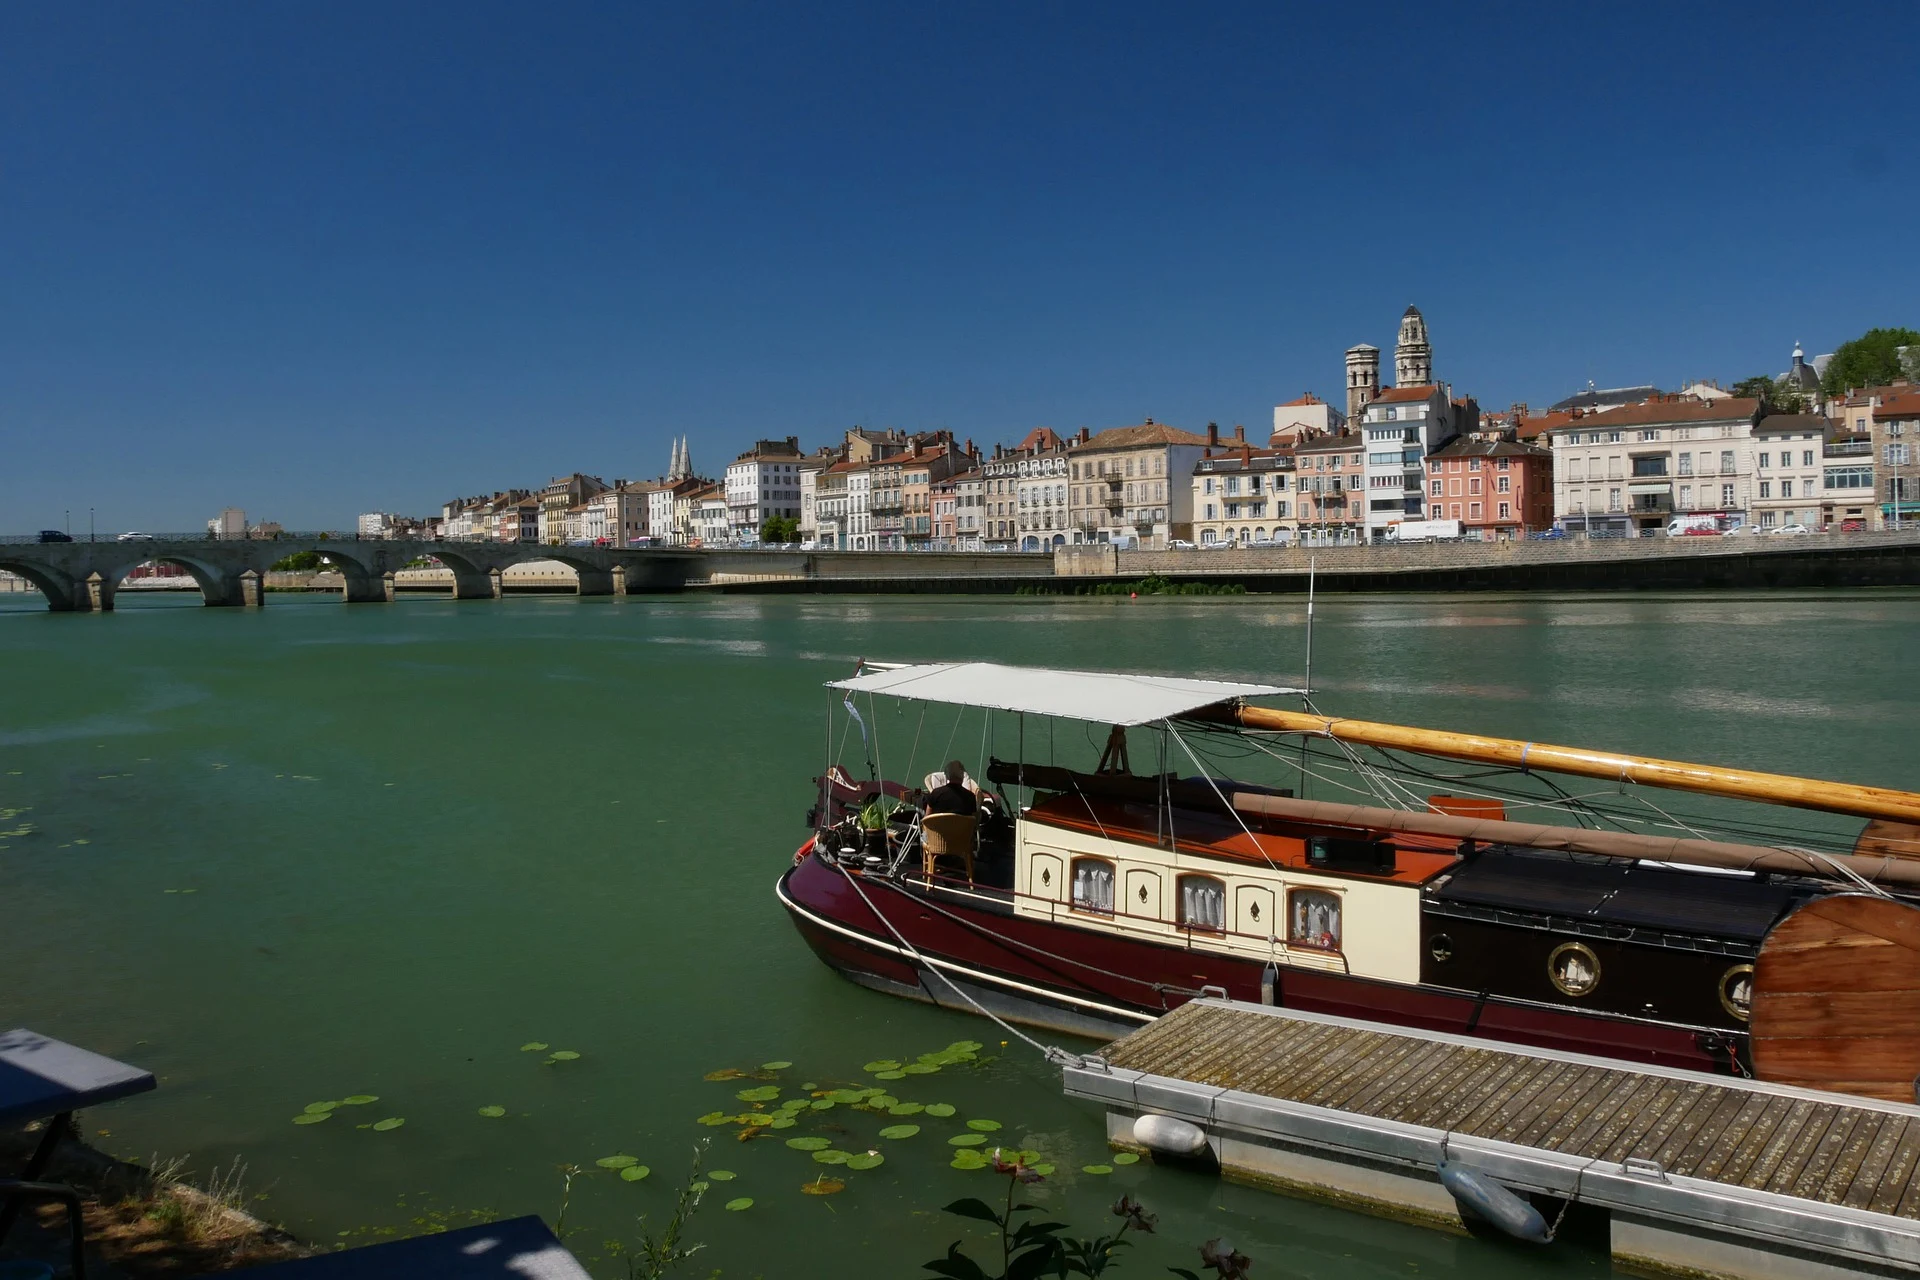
(1102, 697)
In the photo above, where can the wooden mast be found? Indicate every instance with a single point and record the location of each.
(1743, 784)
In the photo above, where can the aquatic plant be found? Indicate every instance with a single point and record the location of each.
(658, 1254)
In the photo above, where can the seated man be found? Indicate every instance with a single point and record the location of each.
(955, 796)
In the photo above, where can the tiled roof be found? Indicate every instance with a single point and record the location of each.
(1044, 439)
(1904, 405)
(1659, 412)
(1333, 444)
(1793, 422)
(1404, 395)
(1468, 447)
(1148, 433)
(1865, 396)
(1308, 398)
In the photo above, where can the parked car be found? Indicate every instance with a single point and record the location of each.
(54, 535)
(1791, 529)
(1226, 544)
(1549, 534)
(1853, 526)
(1179, 544)
(1700, 531)
(134, 537)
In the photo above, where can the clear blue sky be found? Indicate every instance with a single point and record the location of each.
(315, 259)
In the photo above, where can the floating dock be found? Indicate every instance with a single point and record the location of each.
(1699, 1175)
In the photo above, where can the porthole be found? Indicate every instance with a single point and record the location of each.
(1574, 969)
(1440, 948)
(1736, 991)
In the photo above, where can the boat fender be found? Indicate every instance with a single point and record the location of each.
(1269, 984)
(1166, 1136)
(1481, 1197)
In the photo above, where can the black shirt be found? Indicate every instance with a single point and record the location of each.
(952, 798)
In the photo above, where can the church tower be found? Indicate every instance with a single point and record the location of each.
(1412, 355)
(1363, 379)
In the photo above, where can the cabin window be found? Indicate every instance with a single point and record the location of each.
(1203, 903)
(1736, 991)
(1093, 885)
(1574, 969)
(1313, 919)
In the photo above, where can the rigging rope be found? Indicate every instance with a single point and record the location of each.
(1052, 1053)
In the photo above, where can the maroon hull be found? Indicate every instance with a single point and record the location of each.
(1020, 968)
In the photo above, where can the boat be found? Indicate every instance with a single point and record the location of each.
(1414, 877)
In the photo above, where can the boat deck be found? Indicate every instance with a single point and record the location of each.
(1731, 1161)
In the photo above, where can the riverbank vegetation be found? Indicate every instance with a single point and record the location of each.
(1153, 585)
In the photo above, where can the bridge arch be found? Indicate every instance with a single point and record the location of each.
(217, 586)
(60, 590)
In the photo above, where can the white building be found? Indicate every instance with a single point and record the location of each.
(1633, 469)
(710, 520)
(761, 483)
(968, 504)
(859, 517)
(230, 523)
(1304, 419)
(1402, 425)
(375, 524)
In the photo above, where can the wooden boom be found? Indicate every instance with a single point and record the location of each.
(1743, 784)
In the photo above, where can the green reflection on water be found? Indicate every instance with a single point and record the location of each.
(283, 854)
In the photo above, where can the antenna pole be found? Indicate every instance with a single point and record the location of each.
(1306, 695)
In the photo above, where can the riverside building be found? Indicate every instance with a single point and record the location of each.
(1243, 494)
(1633, 469)
(1133, 484)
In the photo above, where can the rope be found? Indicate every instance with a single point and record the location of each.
(1224, 802)
(1567, 1204)
(1052, 1053)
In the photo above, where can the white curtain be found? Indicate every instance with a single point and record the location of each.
(1093, 886)
(1203, 903)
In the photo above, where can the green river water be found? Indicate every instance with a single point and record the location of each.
(311, 851)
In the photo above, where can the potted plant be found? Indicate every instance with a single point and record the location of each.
(873, 824)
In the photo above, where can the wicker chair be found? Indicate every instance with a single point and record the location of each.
(947, 835)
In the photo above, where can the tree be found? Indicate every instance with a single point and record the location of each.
(780, 529)
(1773, 397)
(1870, 360)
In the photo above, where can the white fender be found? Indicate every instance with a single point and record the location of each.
(1167, 1136)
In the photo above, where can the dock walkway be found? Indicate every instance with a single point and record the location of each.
(1700, 1174)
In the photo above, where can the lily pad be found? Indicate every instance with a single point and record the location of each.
(714, 1118)
(564, 1055)
(782, 1122)
(634, 1172)
(1098, 1170)
(900, 1131)
(884, 1064)
(359, 1100)
(965, 1046)
(822, 1104)
(755, 1119)
(721, 1175)
(532, 1046)
(866, 1160)
(915, 1069)
(832, 1155)
(319, 1108)
(968, 1158)
(1127, 1157)
(735, 1206)
(822, 1186)
(391, 1122)
(846, 1097)
(764, 1093)
(881, 1102)
(617, 1162)
(1044, 1170)
(493, 1113)
(967, 1140)
(775, 1066)
(312, 1117)
(941, 1109)
(905, 1109)
(984, 1126)
(890, 1074)
(724, 1073)
(808, 1144)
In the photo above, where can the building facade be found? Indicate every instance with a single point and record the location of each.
(968, 509)
(1329, 490)
(1133, 484)
(1244, 495)
(1402, 426)
(1893, 439)
(1789, 470)
(1304, 419)
(1499, 490)
(762, 483)
(1633, 469)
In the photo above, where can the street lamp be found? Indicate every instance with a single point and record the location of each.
(89, 524)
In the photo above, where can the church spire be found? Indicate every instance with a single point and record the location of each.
(1413, 355)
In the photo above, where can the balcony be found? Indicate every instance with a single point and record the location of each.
(1850, 449)
(1114, 501)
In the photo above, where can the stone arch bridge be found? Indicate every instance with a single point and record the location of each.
(83, 576)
